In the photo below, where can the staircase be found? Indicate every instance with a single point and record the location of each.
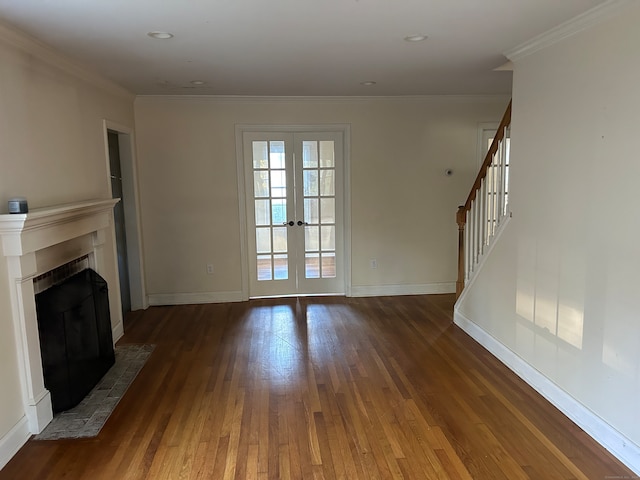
(487, 206)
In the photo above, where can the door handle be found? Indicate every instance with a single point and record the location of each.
(290, 223)
(300, 222)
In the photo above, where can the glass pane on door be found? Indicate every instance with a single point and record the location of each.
(270, 205)
(319, 192)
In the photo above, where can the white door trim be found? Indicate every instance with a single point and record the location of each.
(240, 129)
(131, 205)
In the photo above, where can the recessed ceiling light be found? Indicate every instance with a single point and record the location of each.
(160, 35)
(197, 82)
(368, 83)
(415, 38)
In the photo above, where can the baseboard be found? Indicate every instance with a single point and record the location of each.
(13, 441)
(390, 290)
(159, 299)
(615, 442)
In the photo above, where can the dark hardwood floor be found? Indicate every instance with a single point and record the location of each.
(312, 388)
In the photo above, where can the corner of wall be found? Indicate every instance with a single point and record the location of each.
(31, 46)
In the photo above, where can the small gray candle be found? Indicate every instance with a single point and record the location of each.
(18, 205)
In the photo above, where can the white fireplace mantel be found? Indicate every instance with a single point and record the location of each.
(35, 243)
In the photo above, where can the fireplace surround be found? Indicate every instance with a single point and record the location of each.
(35, 243)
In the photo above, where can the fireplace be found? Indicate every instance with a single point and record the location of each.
(35, 243)
(74, 326)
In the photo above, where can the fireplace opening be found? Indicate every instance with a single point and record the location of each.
(74, 325)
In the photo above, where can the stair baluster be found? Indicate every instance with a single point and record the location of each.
(486, 207)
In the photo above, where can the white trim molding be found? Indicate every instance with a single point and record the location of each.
(489, 98)
(13, 440)
(567, 29)
(603, 433)
(392, 290)
(117, 332)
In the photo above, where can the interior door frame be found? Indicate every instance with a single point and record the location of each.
(345, 130)
(131, 203)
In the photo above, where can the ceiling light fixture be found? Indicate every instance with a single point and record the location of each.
(415, 38)
(160, 35)
(197, 82)
(368, 83)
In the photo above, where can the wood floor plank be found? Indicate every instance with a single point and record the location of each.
(320, 388)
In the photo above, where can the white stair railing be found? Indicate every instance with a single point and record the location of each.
(486, 207)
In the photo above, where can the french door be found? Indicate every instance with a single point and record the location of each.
(294, 187)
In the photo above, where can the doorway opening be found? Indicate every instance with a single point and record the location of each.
(119, 220)
(122, 180)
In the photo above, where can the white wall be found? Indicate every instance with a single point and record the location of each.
(403, 205)
(560, 289)
(51, 151)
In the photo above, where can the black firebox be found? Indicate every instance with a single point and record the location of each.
(75, 337)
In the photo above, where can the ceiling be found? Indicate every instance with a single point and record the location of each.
(293, 47)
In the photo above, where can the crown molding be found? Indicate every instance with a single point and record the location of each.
(326, 99)
(567, 29)
(31, 46)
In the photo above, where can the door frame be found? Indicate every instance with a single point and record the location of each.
(345, 130)
(131, 204)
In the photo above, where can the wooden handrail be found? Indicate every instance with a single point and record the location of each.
(506, 121)
(461, 214)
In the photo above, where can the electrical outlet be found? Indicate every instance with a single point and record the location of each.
(210, 269)
(374, 264)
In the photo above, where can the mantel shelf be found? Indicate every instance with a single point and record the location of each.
(42, 227)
